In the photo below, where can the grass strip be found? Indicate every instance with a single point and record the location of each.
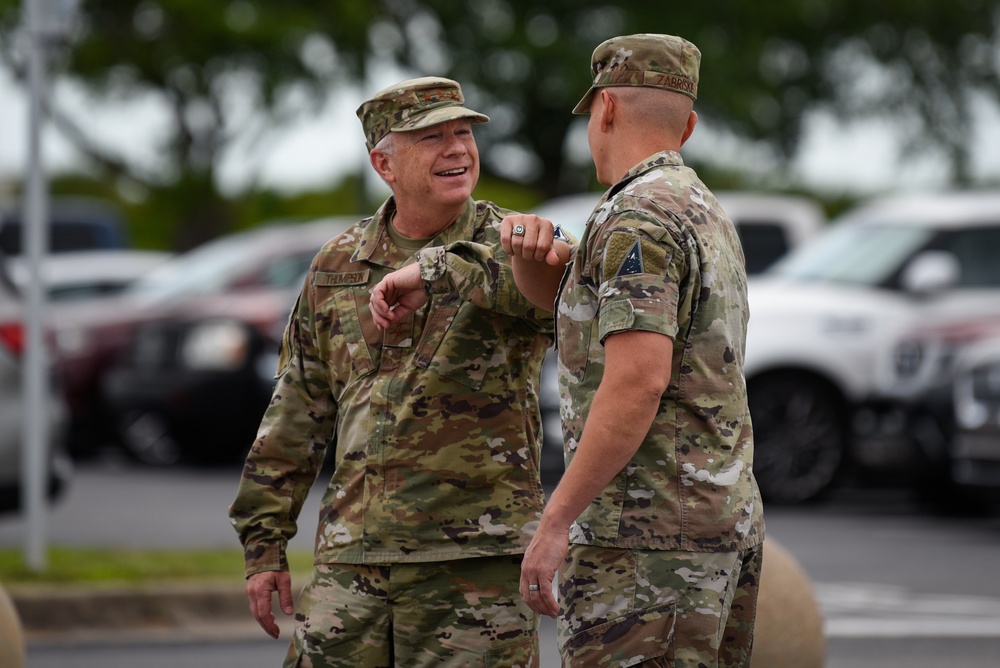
(94, 566)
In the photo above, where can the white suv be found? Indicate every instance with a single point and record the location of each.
(769, 225)
(824, 320)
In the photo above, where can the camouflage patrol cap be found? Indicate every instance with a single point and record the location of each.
(657, 61)
(413, 104)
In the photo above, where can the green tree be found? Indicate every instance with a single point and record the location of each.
(200, 59)
(923, 63)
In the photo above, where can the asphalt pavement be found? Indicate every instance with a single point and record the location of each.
(896, 586)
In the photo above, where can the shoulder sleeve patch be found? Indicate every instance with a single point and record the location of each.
(627, 253)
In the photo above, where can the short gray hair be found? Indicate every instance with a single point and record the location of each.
(386, 144)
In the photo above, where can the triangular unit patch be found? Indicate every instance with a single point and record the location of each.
(632, 264)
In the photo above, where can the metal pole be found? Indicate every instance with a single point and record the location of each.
(35, 234)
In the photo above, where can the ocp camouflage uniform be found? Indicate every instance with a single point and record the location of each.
(436, 427)
(674, 538)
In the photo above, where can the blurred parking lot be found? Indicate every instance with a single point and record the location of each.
(856, 360)
(873, 369)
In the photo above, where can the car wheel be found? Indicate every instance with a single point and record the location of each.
(798, 427)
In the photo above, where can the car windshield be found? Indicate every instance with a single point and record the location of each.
(206, 269)
(855, 254)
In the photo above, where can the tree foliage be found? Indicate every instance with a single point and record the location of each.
(765, 66)
(923, 63)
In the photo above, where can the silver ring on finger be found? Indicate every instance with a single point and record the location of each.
(532, 587)
(519, 232)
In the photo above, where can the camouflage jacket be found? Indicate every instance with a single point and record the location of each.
(659, 254)
(435, 421)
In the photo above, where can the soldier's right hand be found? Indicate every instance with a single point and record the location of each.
(260, 588)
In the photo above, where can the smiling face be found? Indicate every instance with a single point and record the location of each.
(436, 165)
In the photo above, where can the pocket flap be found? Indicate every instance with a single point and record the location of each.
(626, 641)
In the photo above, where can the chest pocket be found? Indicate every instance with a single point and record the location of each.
(458, 342)
(347, 289)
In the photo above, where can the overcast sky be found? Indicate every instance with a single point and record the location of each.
(314, 153)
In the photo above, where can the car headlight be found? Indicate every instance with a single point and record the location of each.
(217, 345)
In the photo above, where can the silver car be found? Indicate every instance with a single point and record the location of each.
(13, 412)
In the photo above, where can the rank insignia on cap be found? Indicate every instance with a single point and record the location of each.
(632, 262)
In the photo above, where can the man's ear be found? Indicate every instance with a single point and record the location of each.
(380, 163)
(607, 113)
(689, 128)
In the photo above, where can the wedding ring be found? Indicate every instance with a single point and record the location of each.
(519, 230)
(532, 587)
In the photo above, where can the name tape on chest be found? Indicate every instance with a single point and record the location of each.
(334, 278)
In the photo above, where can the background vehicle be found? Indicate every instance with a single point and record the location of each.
(769, 226)
(13, 412)
(975, 446)
(91, 273)
(75, 223)
(904, 430)
(79, 285)
(196, 368)
(825, 318)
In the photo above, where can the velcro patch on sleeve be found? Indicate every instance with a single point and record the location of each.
(628, 254)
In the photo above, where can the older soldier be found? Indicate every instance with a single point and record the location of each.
(658, 515)
(434, 418)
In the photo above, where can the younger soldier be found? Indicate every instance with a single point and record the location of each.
(658, 506)
(434, 419)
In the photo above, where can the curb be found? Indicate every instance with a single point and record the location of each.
(167, 612)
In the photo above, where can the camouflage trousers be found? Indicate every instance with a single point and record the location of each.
(465, 612)
(658, 608)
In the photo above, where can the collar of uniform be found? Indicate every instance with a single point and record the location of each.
(462, 229)
(375, 231)
(655, 161)
(661, 159)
